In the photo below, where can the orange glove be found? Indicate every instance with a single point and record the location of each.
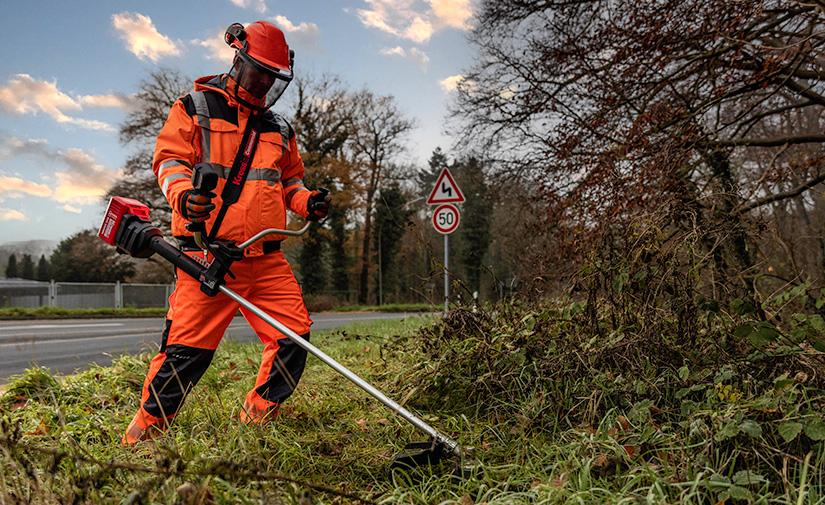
(196, 206)
(318, 204)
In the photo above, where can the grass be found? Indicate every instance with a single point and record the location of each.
(57, 312)
(554, 415)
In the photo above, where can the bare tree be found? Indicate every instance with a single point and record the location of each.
(140, 129)
(378, 138)
(321, 118)
(618, 108)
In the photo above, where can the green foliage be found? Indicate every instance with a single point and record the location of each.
(45, 312)
(11, 267)
(83, 257)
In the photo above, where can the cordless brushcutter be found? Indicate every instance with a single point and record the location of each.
(126, 226)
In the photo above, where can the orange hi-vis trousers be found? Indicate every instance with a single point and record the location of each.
(195, 324)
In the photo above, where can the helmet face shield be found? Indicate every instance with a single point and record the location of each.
(264, 83)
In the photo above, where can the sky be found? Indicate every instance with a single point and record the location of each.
(69, 68)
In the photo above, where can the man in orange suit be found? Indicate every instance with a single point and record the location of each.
(226, 122)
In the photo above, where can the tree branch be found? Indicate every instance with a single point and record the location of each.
(773, 142)
(781, 196)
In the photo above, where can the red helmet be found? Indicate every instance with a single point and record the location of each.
(263, 63)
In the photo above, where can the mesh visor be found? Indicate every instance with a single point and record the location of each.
(261, 81)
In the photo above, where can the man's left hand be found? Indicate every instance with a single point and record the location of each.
(318, 204)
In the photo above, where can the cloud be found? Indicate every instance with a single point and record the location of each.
(258, 5)
(81, 179)
(451, 83)
(71, 210)
(416, 21)
(415, 55)
(23, 94)
(453, 13)
(15, 187)
(85, 182)
(419, 30)
(121, 101)
(141, 37)
(304, 35)
(12, 215)
(216, 47)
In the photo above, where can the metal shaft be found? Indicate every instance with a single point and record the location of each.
(446, 273)
(450, 444)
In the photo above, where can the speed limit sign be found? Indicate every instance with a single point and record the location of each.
(445, 219)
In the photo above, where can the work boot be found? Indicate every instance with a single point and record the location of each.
(257, 409)
(144, 426)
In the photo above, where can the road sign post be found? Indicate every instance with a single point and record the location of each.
(446, 219)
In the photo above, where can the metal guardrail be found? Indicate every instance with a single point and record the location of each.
(85, 295)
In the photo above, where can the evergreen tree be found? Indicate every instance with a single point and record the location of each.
(426, 178)
(340, 260)
(83, 257)
(391, 220)
(43, 270)
(475, 221)
(27, 267)
(321, 115)
(11, 267)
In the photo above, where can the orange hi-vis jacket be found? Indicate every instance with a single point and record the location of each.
(207, 126)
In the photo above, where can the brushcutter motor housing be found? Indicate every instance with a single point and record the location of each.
(126, 226)
(121, 227)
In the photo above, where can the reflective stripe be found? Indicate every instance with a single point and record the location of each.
(256, 174)
(172, 163)
(290, 182)
(284, 140)
(169, 178)
(288, 197)
(264, 174)
(202, 111)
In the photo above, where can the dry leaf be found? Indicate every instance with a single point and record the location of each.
(630, 450)
(41, 430)
(19, 402)
(361, 422)
(559, 481)
(466, 500)
(626, 426)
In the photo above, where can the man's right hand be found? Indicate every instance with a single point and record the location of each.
(195, 206)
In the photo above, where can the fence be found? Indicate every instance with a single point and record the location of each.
(85, 295)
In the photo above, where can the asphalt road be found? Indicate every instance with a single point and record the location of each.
(67, 345)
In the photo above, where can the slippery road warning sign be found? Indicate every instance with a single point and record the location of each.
(445, 190)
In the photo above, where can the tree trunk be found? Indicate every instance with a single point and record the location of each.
(363, 287)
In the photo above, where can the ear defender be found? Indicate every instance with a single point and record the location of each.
(235, 36)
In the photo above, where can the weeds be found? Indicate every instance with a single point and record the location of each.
(561, 403)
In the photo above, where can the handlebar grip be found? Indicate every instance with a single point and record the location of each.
(204, 178)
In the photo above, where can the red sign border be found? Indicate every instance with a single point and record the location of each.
(457, 219)
(459, 198)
